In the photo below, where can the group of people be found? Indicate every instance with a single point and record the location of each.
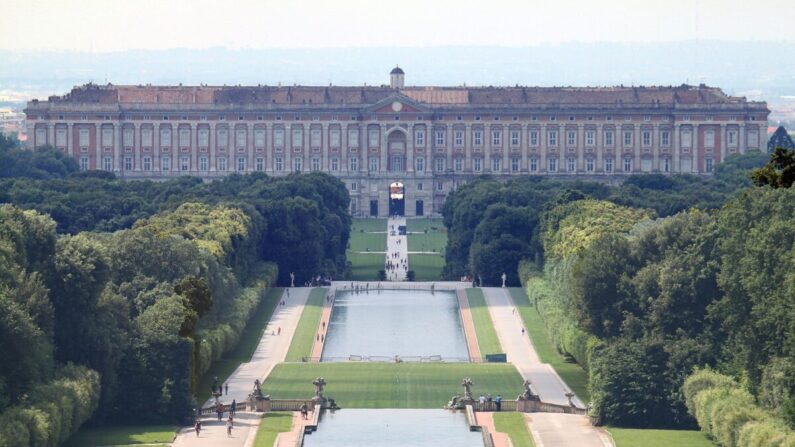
(397, 263)
(220, 410)
(487, 398)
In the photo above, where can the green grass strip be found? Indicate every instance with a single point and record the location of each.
(631, 437)
(423, 223)
(368, 225)
(305, 333)
(571, 373)
(270, 427)
(513, 424)
(246, 346)
(365, 266)
(122, 436)
(389, 385)
(426, 267)
(487, 337)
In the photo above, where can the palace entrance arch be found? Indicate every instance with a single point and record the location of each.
(397, 199)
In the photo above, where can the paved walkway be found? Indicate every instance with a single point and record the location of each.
(271, 350)
(289, 439)
(322, 328)
(468, 324)
(548, 428)
(486, 419)
(396, 245)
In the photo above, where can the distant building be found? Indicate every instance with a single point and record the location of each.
(12, 123)
(429, 140)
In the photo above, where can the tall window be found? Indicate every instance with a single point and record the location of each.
(627, 164)
(533, 165)
(731, 137)
(477, 164)
(646, 137)
(439, 164)
(552, 137)
(260, 164)
(571, 138)
(687, 138)
(315, 163)
(184, 163)
(259, 138)
(496, 164)
(298, 137)
(315, 137)
(627, 138)
(458, 164)
(353, 137)
(590, 137)
(278, 163)
(419, 164)
(147, 162)
(608, 165)
(278, 138)
(571, 164)
(335, 164)
(165, 137)
(84, 163)
(334, 137)
(533, 138)
(608, 138)
(708, 164)
(223, 137)
(241, 164)
(666, 165)
(107, 136)
(514, 138)
(439, 138)
(373, 137)
(552, 164)
(128, 163)
(165, 164)
(373, 164)
(184, 137)
(146, 137)
(419, 137)
(354, 164)
(204, 137)
(222, 164)
(298, 164)
(665, 138)
(126, 137)
(514, 165)
(589, 165)
(459, 138)
(477, 137)
(496, 137)
(202, 163)
(709, 138)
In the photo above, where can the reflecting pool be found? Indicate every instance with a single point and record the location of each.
(412, 324)
(386, 428)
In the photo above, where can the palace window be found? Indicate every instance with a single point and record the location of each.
(107, 136)
(419, 137)
(146, 137)
(627, 164)
(83, 137)
(627, 138)
(278, 137)
(126, 137)
(552, 138)
(477, 137)
(533, 165)
(419, 186)
(223, 137)
(353, 137)
(278, 163)
(147, 162)
(571, 164)
(477, 164)
(665, 138)
(314, 137)
(298, 164)
(165, 164)
(419, 164)
(708, 164)
(335, 164)
(731, 137)
(128, 163)
(709, 138)
(439, 138)
(666, 165)
(552, 164)
(222, 164)
(440, 164)
(373, 138)
(458, 164)
(354, 164)
(687, 138)
(315, 163)
(590, 137)
(202, 163)
(496, 164)
(165, 137)
(459, 138)
(439, 186)
(514, 165)
(298, 137)
(533, 138)
(646, 137)
(514, 138)
(241, 164)
(184, 137)
(571, 138)
(334, 137)
(608, 138)
(204, 137)
(589, 164)
(259, 138)
(373, 164)
(184, 163)
(84, 163)
(496, 137)
(608, 165)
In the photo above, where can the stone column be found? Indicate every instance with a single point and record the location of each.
(695, 150)
(468, 148)
(69, 138)
(116, 147)
(580, 147)
(742, 146)
(383, 151)
(599, 141)
(213, 138)
(677, 149)
(410, 150)
(543, 147)
(524, 147)
(194, 146)
(324, 140)
(655, 148)
(722, 142)
(506, 149)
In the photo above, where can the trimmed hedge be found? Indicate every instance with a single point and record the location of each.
(730, 415)
(54, 410)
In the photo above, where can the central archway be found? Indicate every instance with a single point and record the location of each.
(397, 199)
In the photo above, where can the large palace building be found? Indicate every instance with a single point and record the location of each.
(398, 149)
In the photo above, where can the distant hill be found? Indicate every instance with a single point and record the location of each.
(754, 68)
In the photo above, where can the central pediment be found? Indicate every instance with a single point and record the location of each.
(398, 103)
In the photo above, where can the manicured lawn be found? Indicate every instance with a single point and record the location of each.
(423, 223)
(367, 242)
(305, 333)
(245, 348)
(368, 225)
(632, 437)
(487, 337)
(426, 267)
(571, 373)
(122, 436)
(380, 385)
(428, 239)
(365, 266)
(514, 425)
(270, 427)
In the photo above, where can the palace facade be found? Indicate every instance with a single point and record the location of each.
(378, 140)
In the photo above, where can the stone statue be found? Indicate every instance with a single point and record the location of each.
(319, 384)
(569, 396)
(257, 390)
(292, 279)
(480, 280)
(528, 391)
(467, 384)
(504, 277)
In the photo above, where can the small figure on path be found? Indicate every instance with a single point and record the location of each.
(292, 282)
(522, 331)
(322, 338)
(220, 412)
(482, 399)
(304, 410)
(233, 407)
(504, 277)
(226, 389)
(288, 293)
(318, 337)
(280, 330)
(198, 427)
(229, 427)
(324, 325)
(498, 402)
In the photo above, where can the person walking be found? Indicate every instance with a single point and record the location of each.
(229, 427)
(304, 410)
(226, 389)
(198, 427)
(280, 330)
(498, 402)
(233, 408)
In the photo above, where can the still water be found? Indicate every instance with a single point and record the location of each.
(387, 428)
(407, 323)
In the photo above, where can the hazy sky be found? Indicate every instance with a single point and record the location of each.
(108, 25)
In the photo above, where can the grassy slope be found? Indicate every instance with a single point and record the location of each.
(245, 348)
(570, 372)
(305, 333)
(426, 267)
(515, 426)
(122, 436)
(487, 337)
(368, 225)
(630, 437)
(364, 266)
(379, 385)
(271, 425)
(422, 224)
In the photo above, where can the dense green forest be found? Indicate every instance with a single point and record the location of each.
(117, 295)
